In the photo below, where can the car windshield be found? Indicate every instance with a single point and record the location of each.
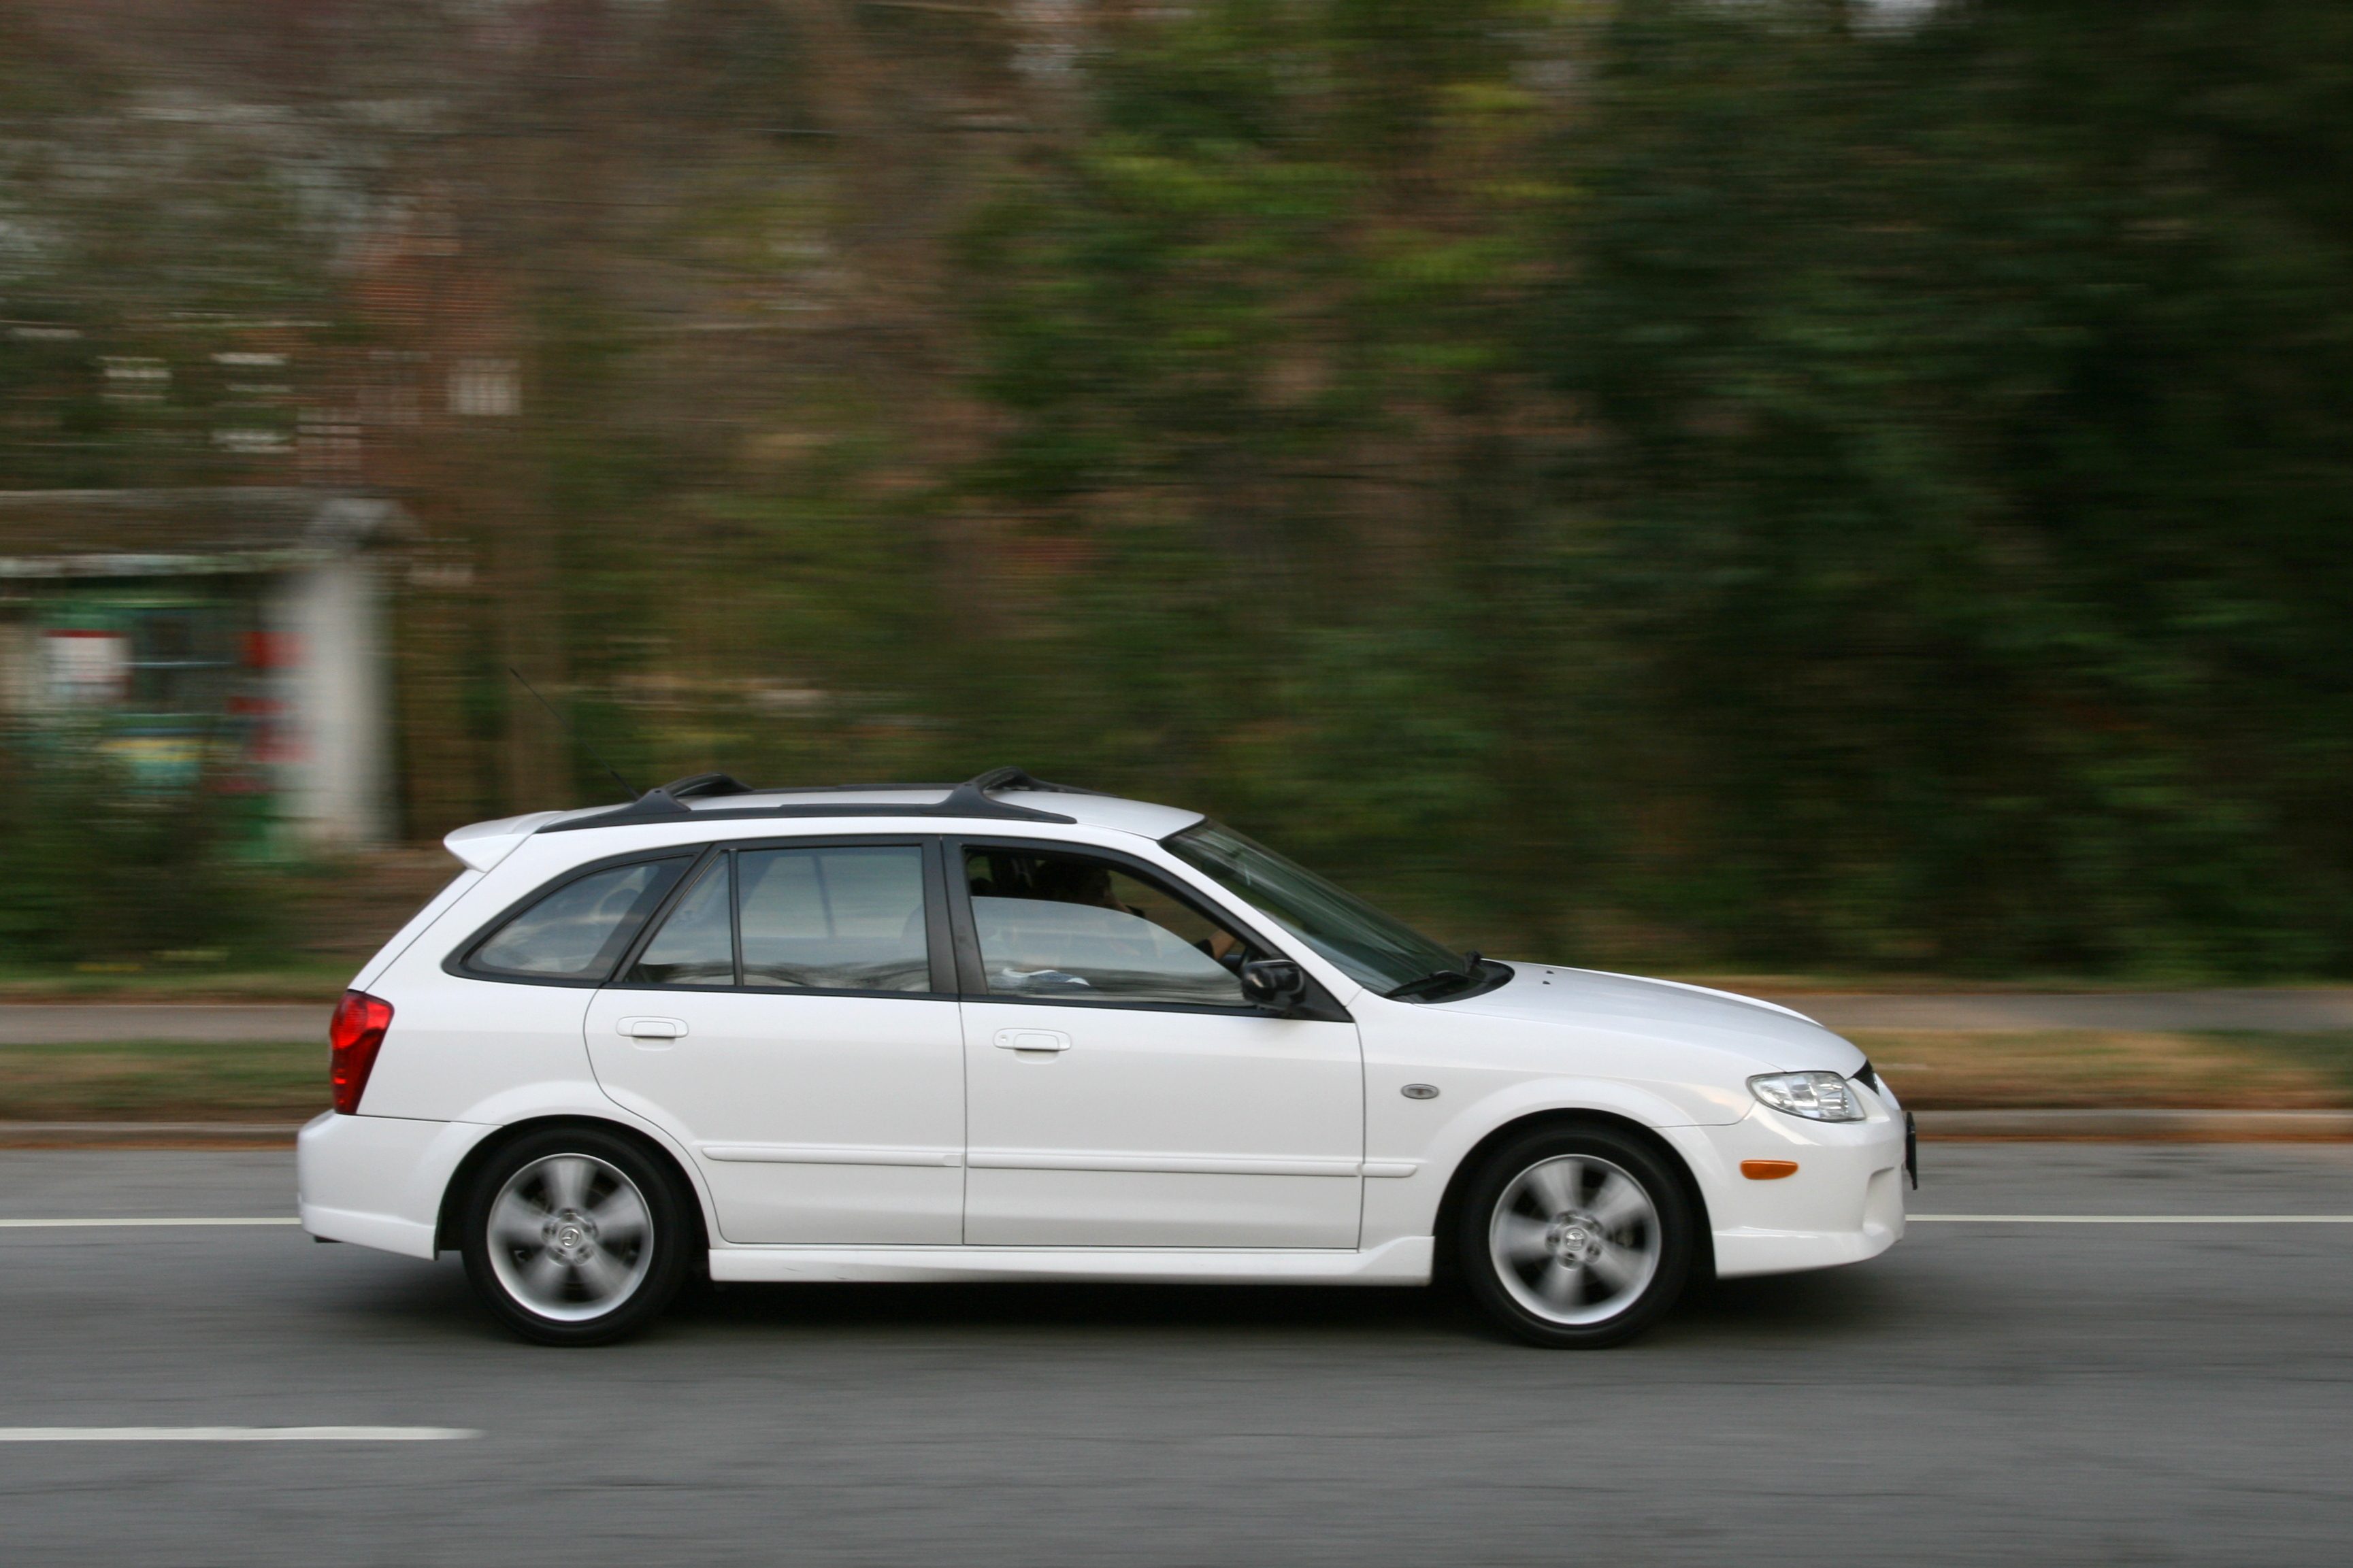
(1379, 950)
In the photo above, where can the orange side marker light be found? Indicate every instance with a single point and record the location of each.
(1767, 1170)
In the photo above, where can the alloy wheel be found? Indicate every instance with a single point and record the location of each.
(571, 1237)
(1575, 1239)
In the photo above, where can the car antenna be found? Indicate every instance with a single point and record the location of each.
(570, 735)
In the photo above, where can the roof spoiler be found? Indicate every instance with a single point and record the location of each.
(482, 844)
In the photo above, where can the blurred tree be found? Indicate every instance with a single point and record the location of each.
(1269, 441)
(145, 244)
(1798, 482)
(1978, 476)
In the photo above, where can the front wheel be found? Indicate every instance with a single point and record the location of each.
(575, 1237)
(1576, 1237)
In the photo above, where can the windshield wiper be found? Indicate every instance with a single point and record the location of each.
(1439, 982)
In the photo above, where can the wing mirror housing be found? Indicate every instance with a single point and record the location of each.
(1275, 982)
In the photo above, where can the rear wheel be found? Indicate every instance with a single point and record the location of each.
(575, 1236)
(1576, 1237)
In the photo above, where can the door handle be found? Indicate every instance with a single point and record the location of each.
(652, 1028)
(1033, 1040)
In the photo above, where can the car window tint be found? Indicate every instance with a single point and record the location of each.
(696, 945)
(834, 918)
(578, 931)
(1373, 948)
(1076, 926)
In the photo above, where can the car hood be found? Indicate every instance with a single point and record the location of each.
(1627, 1004)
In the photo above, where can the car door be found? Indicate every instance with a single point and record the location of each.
(1119, 1091)
(782, 1023)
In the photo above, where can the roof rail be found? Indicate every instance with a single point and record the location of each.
(973, 797)
(698, 784)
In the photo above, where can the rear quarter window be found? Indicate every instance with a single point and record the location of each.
(578, 928)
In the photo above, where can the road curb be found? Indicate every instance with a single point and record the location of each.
(2143, 1126)
(148, 1134)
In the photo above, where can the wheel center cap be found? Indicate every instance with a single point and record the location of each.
(572, 1235)
(1575, 1238)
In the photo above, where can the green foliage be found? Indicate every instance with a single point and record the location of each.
(1979, 476)
(1232, 335)
(95, 869)
(1848, 495)
(141, 244)
(1671, 482)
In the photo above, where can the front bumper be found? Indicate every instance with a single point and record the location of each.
(1844, 1204)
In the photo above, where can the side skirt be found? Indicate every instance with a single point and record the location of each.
(1405, 1261)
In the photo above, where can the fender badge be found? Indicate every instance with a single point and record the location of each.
(1419, 1091)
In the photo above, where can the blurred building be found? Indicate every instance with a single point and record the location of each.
(231, 636)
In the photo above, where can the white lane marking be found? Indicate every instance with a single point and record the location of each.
(72, 1224)
(2132, 1218)
(235, 1434)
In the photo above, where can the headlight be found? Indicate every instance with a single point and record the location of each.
(1815, 1096)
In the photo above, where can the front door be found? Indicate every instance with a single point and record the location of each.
(782, 1024)
(1119, 1091)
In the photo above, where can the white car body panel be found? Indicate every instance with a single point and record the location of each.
(1160, 1128)
(482, 844)
(458, 1047)
(420, 922)
(1844, 1205)
(1161, 1144)
(811, 1119)
(378, 1180)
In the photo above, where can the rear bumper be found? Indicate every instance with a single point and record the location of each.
(1845, 1203)
(377, 1181)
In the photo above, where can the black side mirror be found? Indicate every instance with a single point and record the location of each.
(1274, 983)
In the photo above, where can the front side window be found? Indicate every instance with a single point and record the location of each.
(1080, 928)
(1375, 949)
(578, 931)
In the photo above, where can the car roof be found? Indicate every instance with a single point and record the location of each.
(1003, 800)
(1085, 810)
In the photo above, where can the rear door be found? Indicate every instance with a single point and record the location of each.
(1121, 1092)
(782, 1021)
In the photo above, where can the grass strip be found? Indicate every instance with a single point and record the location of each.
(2066, 1069)
(296, 982)
(164, 1080)
(2328, 1055)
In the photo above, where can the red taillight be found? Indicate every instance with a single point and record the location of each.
(357, 1031)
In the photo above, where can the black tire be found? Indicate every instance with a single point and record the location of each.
(574, 1260)
(1576, 1237)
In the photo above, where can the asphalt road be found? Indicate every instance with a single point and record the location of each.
(2308, 1010)
(1987, 1393)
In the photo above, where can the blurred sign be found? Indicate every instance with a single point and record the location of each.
(159, 762)
(486, 389)
(87, 669)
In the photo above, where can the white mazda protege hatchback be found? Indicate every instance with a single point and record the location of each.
(1006, 1029)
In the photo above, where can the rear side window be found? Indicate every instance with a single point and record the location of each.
(845, 918)
(824, 917)
(696, 946)
(579, 929)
